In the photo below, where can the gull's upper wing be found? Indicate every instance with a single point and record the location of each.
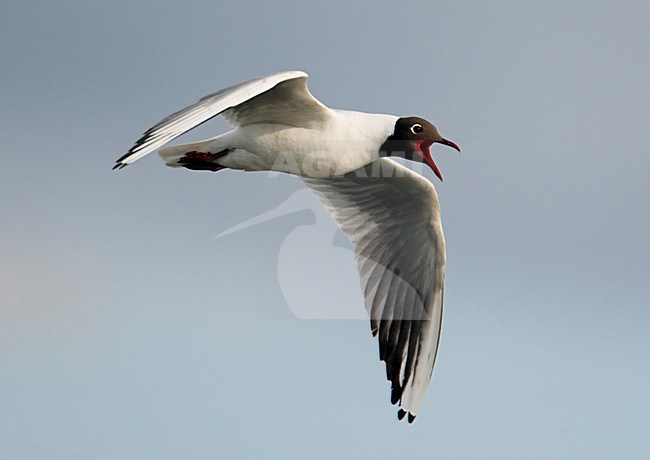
(392, 216)
(278, 98)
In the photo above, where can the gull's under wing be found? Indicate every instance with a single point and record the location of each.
(392, 216)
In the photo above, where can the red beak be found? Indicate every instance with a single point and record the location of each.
(423, 148)
(449, 144)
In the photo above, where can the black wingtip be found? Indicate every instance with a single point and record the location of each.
(401, 413)
(119, 166)
(395, 394)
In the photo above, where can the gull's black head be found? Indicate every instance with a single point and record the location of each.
(412, 138)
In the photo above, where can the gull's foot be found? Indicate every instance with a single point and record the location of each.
(202, 161)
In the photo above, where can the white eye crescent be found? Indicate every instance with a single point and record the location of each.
(417, 128)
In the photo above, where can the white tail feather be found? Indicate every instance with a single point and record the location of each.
(171, 155)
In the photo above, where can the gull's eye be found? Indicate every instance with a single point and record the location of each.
(417, 128)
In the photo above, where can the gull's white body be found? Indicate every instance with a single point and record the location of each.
(342, 142)
(389, 212)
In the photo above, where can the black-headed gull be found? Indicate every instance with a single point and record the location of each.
(389, 212)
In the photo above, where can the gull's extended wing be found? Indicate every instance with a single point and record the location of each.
(392, 216)
(279, 98)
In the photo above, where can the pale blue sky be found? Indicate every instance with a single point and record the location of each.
(128, 331)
